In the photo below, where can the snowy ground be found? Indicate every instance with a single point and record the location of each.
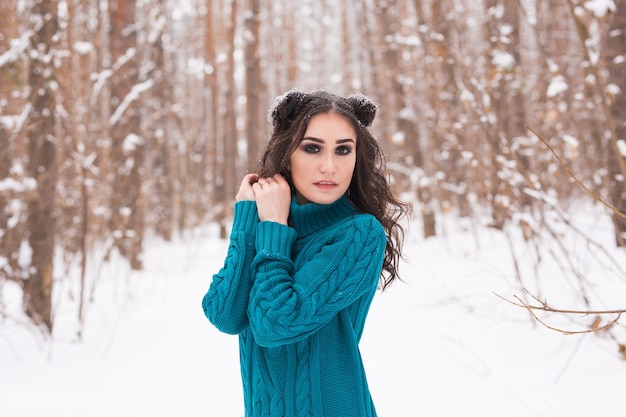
(441, 344)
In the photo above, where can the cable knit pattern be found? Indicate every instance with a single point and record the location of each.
(306, 290)
(226, 302)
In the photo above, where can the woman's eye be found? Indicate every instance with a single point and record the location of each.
(343, 150)
(311, 148)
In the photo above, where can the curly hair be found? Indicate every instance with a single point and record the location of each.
(369, 190)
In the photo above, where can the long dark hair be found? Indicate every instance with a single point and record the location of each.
(369, 190)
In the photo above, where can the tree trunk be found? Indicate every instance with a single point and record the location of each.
(127, 147)
(348, 61)
(504, 60)
(400, 108)
(229, 134)
(212, 103)
(386, 66)
(615, 51)
(11, 81)
(161, 150)
(42, 165)
(254, 85)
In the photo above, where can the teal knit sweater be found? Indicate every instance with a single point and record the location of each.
(298, 297)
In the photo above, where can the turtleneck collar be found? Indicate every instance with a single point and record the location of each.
(310, 217)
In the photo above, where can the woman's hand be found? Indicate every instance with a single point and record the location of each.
(273, 198)
(245, 189)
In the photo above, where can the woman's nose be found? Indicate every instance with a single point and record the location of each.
(328, 165)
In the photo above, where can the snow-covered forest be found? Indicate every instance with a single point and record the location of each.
(124, 122)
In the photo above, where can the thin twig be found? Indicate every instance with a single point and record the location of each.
(573, 176)
(545, 307)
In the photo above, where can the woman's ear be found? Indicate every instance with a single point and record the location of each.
(364, 108)
(286, 108)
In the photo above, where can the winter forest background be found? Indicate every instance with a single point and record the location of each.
(123, 120)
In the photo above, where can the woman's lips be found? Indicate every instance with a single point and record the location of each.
(325, 185)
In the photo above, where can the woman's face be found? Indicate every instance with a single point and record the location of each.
(323, 163)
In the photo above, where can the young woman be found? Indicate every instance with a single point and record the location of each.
(315, 231)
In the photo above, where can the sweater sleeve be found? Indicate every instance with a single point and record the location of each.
(287, 305)
(226, 302)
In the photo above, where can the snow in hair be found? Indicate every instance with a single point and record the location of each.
(287, 104)
(364, 108)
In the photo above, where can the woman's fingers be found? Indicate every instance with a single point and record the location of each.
(276, 179)
(245, 189)
(273, 197)
(251, 178)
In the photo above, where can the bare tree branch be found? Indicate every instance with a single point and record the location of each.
(544, 306)
(573, 176)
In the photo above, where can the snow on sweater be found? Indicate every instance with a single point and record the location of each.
(298, 298)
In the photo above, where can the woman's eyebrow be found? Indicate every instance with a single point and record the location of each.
(313, 139)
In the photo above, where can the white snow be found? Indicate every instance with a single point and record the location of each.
(439, 344)
(600, 8)
(557, 86)
(467, 96)
(131, 142)
(7, 122)
(133, 95)
(541, 196)
(613, 89)
(18, 47)
(398, 138)
(621, 146)
(503, 61)
(83, 48)
(570, 140)
(13, 185)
